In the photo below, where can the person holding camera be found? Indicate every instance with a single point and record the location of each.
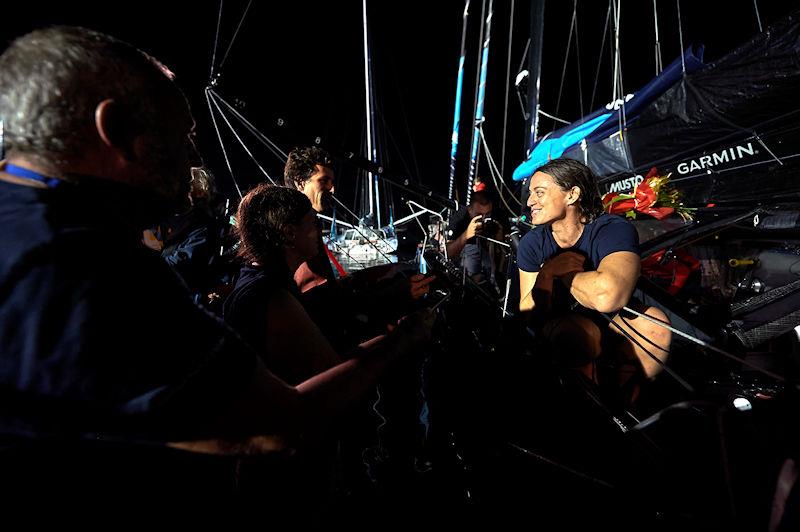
(466, 238)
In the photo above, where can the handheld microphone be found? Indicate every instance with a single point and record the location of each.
(520, 220)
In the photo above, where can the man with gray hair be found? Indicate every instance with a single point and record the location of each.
(98, 338)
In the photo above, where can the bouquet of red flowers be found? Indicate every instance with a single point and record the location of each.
(652, 196)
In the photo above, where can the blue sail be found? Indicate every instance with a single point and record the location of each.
(605, 121)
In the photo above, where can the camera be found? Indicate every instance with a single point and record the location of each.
(490, 225)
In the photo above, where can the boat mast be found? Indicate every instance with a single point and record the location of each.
(372, 156)
(473, 160)
(534, 72)
(457, 112)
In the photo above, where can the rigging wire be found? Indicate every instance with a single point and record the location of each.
(382, 154)
(393, 141)
(411, 142)
(733, 168)
(524, 55)
(358, 230)
(235, 33)
(680, 36)
(279, 153)
(368, 104)
(335, 199)
(525, 114)
(379, 139)
(659, 62)
(578, 59)
(508, 87)
(244, 145)
(473, 140)
(693, 149)
(600, 56)
(615, 93)
(493, 171)
(222, 144)
(621, 82)
(660, 362)
(553, 117)
(566, 62)
(343, 249)
(758, 17)
(216, 43)
(457, 112)
(707, 345)
(618, 90)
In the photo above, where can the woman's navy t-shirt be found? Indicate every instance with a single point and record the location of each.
(607, 234)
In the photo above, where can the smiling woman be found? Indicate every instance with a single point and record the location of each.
(576, 264)
(563, 182)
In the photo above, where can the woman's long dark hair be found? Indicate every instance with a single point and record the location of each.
(568, 173)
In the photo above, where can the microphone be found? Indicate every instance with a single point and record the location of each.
(520, 220)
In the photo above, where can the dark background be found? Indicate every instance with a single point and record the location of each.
(301, 64)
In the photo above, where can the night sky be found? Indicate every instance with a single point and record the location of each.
(295, 69)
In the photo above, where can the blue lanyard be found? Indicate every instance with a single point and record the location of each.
(18, 171)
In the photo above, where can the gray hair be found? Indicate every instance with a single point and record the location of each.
(52, 80)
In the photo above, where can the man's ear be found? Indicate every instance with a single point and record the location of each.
(110, 122)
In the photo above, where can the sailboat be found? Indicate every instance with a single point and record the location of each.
(367, 243)
(718, 128)
(726, 135)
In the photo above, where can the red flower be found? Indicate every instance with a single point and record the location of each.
(645, 199)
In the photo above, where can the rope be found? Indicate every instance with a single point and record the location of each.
(342, 249)
(566, 61)
(477, 86)
(508, 83)
(221, 144)
(600, 56)
(524, 55)
(659, 62)
(276, 151)
(623, 116)
(357, 219)
(578, 59)
(494, 172)
(666, 368)
(216, 42)
(235, 134)
(680, 35)
(614, 93)
(457, 111)
(553, 117)
(707, 345)
(235, 33)
(758, 16)
(525, 114)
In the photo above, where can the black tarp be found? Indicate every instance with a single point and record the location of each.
(728, 132)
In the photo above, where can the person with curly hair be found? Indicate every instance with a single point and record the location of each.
(99, 145)
(279, 231)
